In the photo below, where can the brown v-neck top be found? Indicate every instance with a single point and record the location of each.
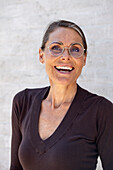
(85, 132)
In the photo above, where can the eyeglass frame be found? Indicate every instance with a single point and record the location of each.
(66, 47)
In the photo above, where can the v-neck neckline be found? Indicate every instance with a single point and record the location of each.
(41, 145)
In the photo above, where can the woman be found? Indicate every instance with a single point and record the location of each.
(61, 127)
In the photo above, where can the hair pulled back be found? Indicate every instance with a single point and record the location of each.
(63, 23)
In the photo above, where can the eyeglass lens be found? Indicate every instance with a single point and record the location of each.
(75, 50)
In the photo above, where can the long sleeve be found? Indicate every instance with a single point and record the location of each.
(105, 134)
(72, 146)
(16, 135)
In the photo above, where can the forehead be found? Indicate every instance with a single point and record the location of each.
(65, 35)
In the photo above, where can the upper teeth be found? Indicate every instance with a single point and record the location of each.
(64, 67)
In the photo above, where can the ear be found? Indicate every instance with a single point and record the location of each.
(85, 56)
(41, 56)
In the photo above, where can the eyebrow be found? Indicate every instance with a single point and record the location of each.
(57, 42)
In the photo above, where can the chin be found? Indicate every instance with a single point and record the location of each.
(63, 81)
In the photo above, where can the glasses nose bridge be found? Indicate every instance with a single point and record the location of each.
(66, 48)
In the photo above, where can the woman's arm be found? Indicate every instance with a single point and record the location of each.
(105, 134)
(16, 135)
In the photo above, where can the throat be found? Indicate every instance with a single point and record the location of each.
(59, 97)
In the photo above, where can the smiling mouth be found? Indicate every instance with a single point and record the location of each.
(64, 69)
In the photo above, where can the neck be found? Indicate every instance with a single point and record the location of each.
(59, 94)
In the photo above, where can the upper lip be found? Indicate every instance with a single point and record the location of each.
(67, 67)
(64, 67)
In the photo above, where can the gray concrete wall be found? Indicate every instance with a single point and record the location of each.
(22, 24)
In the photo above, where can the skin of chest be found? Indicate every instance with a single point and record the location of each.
(50, 119)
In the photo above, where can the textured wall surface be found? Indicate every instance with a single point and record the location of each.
(22, 24)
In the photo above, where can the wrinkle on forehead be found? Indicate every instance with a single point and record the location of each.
(65, 35)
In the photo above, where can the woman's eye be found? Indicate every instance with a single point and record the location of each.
(75, 49)
(56, 47)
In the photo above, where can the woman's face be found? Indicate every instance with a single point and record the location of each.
(66, 36)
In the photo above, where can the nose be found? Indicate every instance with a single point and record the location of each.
(65, 55)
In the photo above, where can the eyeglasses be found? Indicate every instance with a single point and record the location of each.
(76, 50)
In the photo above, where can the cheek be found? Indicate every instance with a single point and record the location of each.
(50, 61)
(48, 66)
(80, 62)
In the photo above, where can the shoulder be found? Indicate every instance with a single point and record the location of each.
(23, 100)
(105, 112)
(99, 109)
(27, 95)
(96, 99)
(103, 103)
(98, 105)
